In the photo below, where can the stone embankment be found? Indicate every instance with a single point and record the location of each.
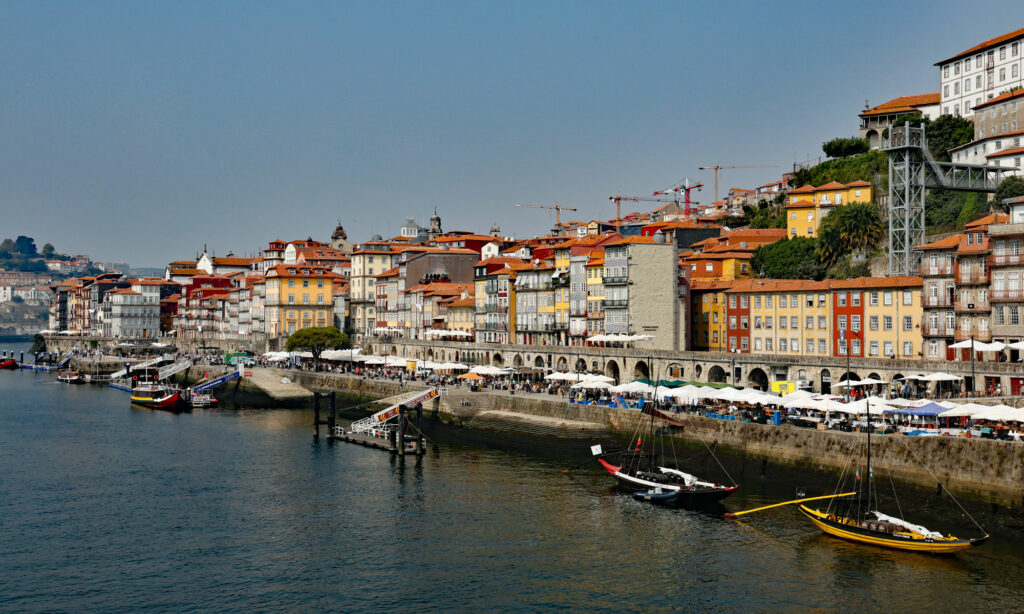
(988, 470)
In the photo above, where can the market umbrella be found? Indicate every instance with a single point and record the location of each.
(470, 376)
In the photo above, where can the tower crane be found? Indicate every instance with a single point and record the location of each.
(684, 186)
(718, 166)
(618, 198)
(557, 208)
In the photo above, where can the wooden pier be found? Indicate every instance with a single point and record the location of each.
(391, 438)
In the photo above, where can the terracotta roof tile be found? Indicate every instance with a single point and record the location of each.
(903, 104)
(985, 45)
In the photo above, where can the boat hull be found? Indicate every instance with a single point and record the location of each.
(830, 525)
(673, 495)
(169, 402)
(8, 365)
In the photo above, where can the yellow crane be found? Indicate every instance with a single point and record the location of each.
(718, 166)
(557, 208)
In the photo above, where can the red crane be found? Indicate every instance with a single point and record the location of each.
(618, 198)
(684, 186)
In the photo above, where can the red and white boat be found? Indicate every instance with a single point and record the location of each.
(9, 364)
(149, 391)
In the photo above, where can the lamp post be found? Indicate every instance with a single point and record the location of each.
(974, 382)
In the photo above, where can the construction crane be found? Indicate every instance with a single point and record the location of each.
(684, 186)
(717, 166)
(557, 208)
(618, 198)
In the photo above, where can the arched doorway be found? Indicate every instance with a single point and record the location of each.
(641, 370)
(394, 350)
(562, 364)
(716, 374)
(581, 365)
(697, 370)
(517, 361)
(873, 139)
(497, 360)
(538, 362)
(430, 354)
(611, 369)
(826, 382)
(758, 379)
(593, 366)
(850, 376)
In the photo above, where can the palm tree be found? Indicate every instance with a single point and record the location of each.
(853, 227)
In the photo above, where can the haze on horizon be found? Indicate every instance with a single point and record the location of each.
(141, 132)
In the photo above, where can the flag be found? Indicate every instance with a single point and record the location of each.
(639, 442)
(858, 475)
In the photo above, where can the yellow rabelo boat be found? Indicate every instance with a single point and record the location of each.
(878, 529)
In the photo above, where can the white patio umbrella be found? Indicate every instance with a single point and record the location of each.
(979, 346)
(591, 385)
(941, 377)
(1001, 413)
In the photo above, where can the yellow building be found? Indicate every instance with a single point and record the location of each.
(460, 314)
(708, 315)
(892, 316)
(788, 316)
(298, 297)
(808, 205)
(595, 294)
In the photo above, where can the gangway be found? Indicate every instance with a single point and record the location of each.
(379, 420)
(912, 170)
(64, 361)
(142, 365)
(174, 369)
(219, 381)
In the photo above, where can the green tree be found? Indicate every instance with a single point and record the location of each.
(842, 147)
(8, 246)
(852, 227)
(1010, 187)
(317, 339)
(866, 166)
(25, 246)
(38, 343)
(791, 258)
(948, 132)
(49, 250)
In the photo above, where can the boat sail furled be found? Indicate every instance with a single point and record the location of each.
(867, 526)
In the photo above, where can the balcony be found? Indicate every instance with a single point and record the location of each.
(538, 327)
(936, 301)
(940, 329)
(577, 311)
(494, 308)
(1006, 295)
(972, 276)
(1008, 259)
(996, 230)
(972, 306)
(615, 281)
(977, 335)
(940, 269)
(615, 302)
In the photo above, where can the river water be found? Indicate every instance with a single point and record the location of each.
(108, 508)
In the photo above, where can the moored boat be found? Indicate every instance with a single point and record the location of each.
(9, 364)
(69, 376)
(148, 391)
(199, 399)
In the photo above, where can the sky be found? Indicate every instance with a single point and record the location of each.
(144, 131)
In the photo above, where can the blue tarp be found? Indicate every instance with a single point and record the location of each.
(931, 409)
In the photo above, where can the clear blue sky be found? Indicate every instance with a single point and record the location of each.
(141, 131)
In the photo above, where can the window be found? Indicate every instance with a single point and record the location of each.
(768, 344)
(768, 302)
(841, 299)
(887, 348)
(319, 283)
(908, 348)
(908, 323)
(305, 299)
(782, 323)
(822, 323)
(291, 299)
(855, 323)
(768, 322)
(887, 323)
(783, 301)
(744, 302)
(821, 346)
(809, 323)
(873, 299)
(873, 348)
(855, 299)
(709, 267)
(745, 343)
(319, 299)
(933, 348)
(855, 346)
(757, 302)
(732, 321)
(873, 323)
(732, 302)
(757, 344)
(908, 297)
(822, 300)
(842, 322)
(305, 283)
(887, 298)
(810, 346)
(291, 283)
(794, 322)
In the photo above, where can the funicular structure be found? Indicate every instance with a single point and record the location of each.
(912, 170)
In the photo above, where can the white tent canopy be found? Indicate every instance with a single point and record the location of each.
(1000, 413)
(870, 381)
(488, 370)
(591, 385)
(618, 337)
(940, 377)
(979, 346)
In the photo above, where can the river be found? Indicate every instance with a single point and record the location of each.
(109, 508)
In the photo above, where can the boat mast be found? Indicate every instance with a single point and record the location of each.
(867, 406)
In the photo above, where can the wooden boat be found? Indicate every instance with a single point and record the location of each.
(9, 364)
(877, 529)
(649, 480)
(68, 376)
(156, 396)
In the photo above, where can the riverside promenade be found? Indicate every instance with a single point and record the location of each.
(982, 469)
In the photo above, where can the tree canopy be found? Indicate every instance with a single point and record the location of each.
(317, 339)
(944, 133)
(866, 166)
(852, 227)
(842, 147)
(791, 258)
(1008, 188)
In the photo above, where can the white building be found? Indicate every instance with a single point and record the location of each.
(981, 73)
(126, 313)
(998, 132)
(5, 294)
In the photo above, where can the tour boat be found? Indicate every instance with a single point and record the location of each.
(9, 364)
(69, 377)
(863, 525)
(157, 396)
(199, 399)
(651, 481)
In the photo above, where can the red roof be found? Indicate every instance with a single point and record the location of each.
(1002, 98)
(903, 104)
(985, 45)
